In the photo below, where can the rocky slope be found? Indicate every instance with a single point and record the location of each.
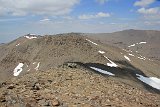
(126, 38)
(72, 87)
(71, 69)
(47, 52)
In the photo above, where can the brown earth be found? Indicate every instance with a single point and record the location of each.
(72, 87)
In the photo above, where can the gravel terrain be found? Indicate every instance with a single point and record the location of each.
(72, 87)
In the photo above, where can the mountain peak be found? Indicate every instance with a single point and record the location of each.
(49, 63)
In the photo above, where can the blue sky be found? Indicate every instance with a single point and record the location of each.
(20, 17)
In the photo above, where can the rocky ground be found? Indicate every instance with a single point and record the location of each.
(57, 72)
(72, 87)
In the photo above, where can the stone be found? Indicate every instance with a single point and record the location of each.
(36, 86)
(55, 102)
(11, 99)
(41, 102)
(28, 105)
(47, 90)
(11, 86)
(87, 105)
(50, 81)
(71, 65)
(2, 99)
(46, 103)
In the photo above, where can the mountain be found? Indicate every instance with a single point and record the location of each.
(126, 39)
(72, 69)
(47, 51)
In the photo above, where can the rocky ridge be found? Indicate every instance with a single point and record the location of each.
(72, 87)
(74, 70)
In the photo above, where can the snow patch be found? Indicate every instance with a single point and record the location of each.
(132, 45)
(91, 42)
(18, 69)
(18, 44)
(125, 50)
(37, 67)
(130, 54)
(32, 34)
(101, 52)
(102, 71)
(141, 57)
(30, 37)
(129, 51)
(142, 42)
(150, 59)
(111, 64)
(126, 57)
(137, 44)
(152, 81)
(34, 63)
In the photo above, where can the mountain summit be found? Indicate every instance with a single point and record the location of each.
(75, 68)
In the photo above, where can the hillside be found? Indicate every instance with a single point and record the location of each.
(48, 52)
(126, 39)
(56, 64)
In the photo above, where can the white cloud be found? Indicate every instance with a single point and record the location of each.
(143, 3)
(102, 1)
(98, 15)
(45, 20)
(150, 16)
(155, 10)
(36, 7)
(101, 14)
